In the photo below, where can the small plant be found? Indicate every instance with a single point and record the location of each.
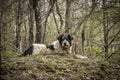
(94, 51)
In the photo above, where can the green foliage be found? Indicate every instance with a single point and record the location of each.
(96, 51)
(8, 54)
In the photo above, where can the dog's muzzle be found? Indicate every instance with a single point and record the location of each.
(65, 45)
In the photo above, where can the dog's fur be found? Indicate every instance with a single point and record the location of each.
(61, 45)
(35, 49)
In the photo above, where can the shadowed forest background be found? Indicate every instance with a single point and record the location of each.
(94, 24)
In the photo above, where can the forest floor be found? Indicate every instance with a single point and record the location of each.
(57, 67)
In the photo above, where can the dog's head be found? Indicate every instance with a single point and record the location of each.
(65, 40)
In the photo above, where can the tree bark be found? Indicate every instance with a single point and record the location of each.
(83, 39)
(31, 24)
(18, 26)
(67, 14)
(105, 29)
(2, 27)
(38, 21)
(93, 4)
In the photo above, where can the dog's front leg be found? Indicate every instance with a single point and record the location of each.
(69, 51)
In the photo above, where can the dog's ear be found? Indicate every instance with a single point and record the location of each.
(60, 37)
(70, 37)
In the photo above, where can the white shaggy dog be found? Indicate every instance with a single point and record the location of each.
(39, 48)
(61, 45)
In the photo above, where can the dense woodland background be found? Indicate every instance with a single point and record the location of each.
(94, 24)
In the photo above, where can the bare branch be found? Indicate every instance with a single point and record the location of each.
(14, 48)
(85, 18)
(52, 2)
(56, 22)
(58, 12)
(116, 35)
(113, 53)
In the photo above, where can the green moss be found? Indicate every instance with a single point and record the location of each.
(60, 72)
(52, 67)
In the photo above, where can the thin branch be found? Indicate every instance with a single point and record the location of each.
(52, 2)
(112, 26)
(14, 48)
(58, 12)
(113, 53)
(56, 22)
(85, 18)
(114, 38)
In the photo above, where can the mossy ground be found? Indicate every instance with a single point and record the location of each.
(56, 67)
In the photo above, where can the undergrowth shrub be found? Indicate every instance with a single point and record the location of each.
(94, 51)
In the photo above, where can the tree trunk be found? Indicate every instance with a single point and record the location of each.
(31, 24)
(38, 21)
(2, 27)
(18, 27)
(83, 39)
(93, 4)
(105, 30)
(67, 14)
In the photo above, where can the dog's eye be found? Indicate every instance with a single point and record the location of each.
(60, 37)
(70, 37)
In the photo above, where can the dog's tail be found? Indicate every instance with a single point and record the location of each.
(28, 51)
